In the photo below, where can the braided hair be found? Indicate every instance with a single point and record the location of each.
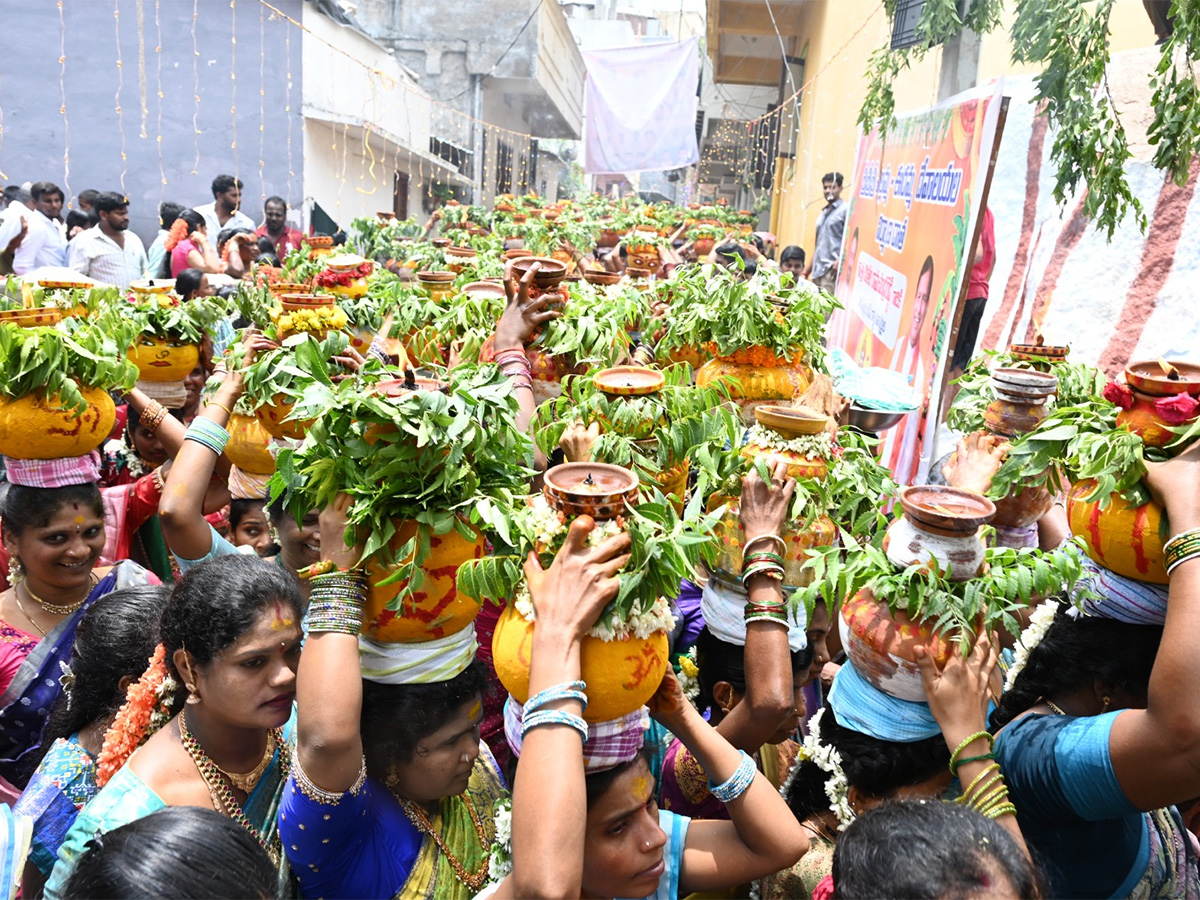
(1077, 651)
(875, 767)
(112, 642)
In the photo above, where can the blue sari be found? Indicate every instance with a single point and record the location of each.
(26, 704)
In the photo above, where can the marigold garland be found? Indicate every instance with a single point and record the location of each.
(145, 710)
(179, 231)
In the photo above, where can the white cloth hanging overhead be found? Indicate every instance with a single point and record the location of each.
(640, 108)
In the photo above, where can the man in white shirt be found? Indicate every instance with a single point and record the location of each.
(14, 224)
(45, 244)
(110, 252)
(223, 212)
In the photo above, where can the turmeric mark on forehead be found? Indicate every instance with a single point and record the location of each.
(280, 620)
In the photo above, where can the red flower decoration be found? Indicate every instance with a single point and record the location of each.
(1119, 394)
(1176, 410)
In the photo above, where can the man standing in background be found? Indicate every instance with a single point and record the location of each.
(823, 269)
(275, 227)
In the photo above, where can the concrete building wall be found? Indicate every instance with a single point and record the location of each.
(837, 41)
(166, 156)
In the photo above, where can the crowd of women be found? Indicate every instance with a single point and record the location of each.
(192, 719)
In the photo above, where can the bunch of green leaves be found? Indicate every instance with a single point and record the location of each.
(713, 305)
(299, 267)
(853, 493)
(1175, 131)
(290, 369)
(645, 239)
(253, 303)
(57, 362)
(373, 237)
(701, 232)
(440, 459)
(581, 234)
(166, 316)
(650, 433)
(66, 299)
(406, 307)
(592, 329)
(664, 549)
(1078, 383)
(467, 320)
(955, 610)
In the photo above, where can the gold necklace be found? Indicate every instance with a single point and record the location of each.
(55, 608)
(222, 796)
(1057, 709)
(246, 782)
(28, 617)
(473, 881)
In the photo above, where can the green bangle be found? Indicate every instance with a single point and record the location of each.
(970, 759)
(965, 744)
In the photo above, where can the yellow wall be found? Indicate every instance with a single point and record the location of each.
(840, 36)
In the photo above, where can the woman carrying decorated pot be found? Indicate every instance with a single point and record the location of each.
(865, 747)
(112, 643)
(221, 685)
(584, 820)
(1098, 732)
(190, 536)
(392, 790)
(53, 532)
(752, 663)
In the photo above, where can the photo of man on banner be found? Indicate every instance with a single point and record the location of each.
(915, 205)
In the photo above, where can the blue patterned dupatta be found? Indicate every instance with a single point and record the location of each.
(26, 704)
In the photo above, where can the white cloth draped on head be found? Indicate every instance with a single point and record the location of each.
(419, 663)
(723, 606)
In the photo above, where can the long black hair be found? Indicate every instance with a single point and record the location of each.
(875, 767)
(113, 641)
(396, 717)
(1078, 651)
(179, 851)
(720, 660)
(927, 849)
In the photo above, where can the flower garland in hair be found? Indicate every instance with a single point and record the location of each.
(500, 854)
(178, 231)
(827, 759)
(1040, 621)
(145, 710)
(134, 464)
(689, 675)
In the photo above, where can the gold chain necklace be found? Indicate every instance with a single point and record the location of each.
(54, 607)
(28, 617)
(218, 789)
(474, 881)
(1056, 709)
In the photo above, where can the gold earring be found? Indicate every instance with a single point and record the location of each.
(16, 572)
(1104, 708)
(192, 698)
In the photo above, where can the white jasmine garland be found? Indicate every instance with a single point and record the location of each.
(828, 760)
(134, 463)
(500, 854)
(640, 625)
(543, 521)
(810, 446)
(1040, 621)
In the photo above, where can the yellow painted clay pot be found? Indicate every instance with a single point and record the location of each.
(271, 416)
(247, 447)
(673, 483)
(436, 609)
(1128, 540)
(754, 385)
(162, 359)
(36, 427)
(621, 675)
(731, 542)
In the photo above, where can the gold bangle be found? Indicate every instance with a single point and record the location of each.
(221, 406)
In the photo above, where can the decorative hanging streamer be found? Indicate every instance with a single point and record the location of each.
(262, 101)
(233, 83)
(162, 174)
(195, 88)
(3, 177)
(141, 22)
(62, 87)
(287, 107)
(120, 87)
